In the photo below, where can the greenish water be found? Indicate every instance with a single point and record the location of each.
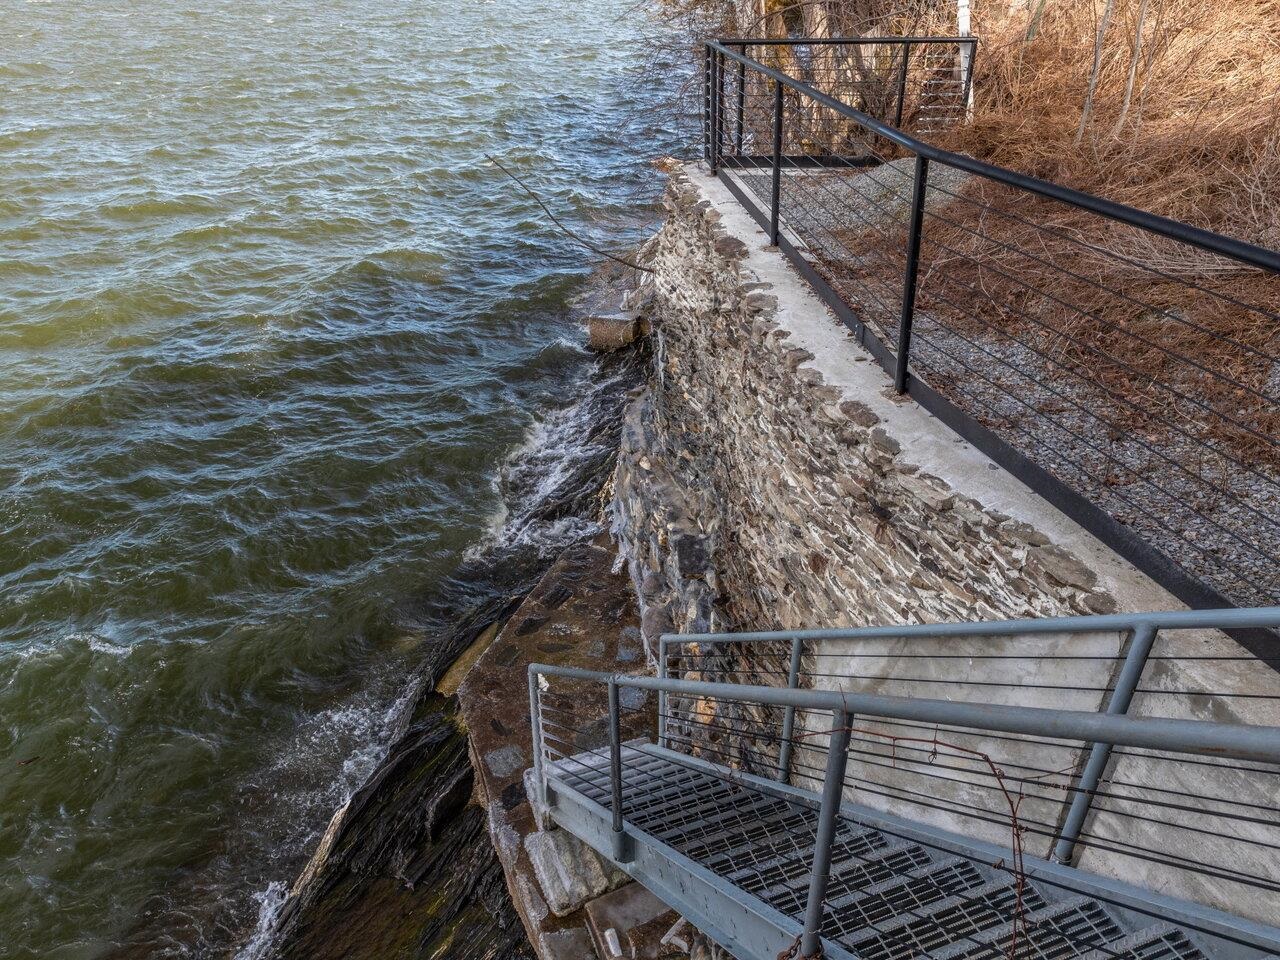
(269, 330)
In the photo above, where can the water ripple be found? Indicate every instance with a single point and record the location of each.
(269, 329)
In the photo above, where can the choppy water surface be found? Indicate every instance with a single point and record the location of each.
(268, 329)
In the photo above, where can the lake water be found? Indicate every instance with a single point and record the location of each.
(270, 327)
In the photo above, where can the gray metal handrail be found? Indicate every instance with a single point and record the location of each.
(1228, 618)
(1143, 629)
(1204, 737)
(1221, 741)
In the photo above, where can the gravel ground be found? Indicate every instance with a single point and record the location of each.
(1215, 514)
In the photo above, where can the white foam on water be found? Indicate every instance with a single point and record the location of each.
(269, 901)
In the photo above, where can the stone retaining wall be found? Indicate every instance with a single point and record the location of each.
(770, 478)
(769, 454)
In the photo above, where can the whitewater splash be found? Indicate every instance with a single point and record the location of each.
(546, 486)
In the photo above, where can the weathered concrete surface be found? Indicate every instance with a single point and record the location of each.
(771, 478)
(581, 614)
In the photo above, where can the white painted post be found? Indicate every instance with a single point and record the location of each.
(964, 26)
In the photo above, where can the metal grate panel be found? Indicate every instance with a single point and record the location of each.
(887, 899)
(851, 877)
(1062, 932)
(912, 892)
(925, 932)
(1173, 945)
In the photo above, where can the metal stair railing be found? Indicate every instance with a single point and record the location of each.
(702, 818)
(684, 653)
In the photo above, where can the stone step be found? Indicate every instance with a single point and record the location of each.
(628, 923)
(568, 871)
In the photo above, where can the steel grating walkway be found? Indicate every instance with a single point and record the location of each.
(891, 896)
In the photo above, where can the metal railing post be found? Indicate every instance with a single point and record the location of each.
(707, 103)
(1144, 636)
(535, 726)
(742, 94)
(621, 842)
(777, 164)
(789, 714)
(902, 83)
(909, 277)
(717, 107)
(662, 694)
(832, 794)
(966, 64)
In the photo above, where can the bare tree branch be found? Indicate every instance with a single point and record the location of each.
(1097, 69)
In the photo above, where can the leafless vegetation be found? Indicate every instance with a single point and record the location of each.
(1171, 106)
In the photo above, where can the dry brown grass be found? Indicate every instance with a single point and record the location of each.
(1183, 118)
(1167, 352)
(1181, 121)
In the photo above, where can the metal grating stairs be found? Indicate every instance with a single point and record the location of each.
(889, 896)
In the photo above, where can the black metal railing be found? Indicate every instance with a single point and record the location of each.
(1125, 365)
(917, 83)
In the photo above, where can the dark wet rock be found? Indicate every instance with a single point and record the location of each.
(591, 612)
(407, 866)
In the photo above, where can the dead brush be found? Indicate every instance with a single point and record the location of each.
(1169, 339)
(1170, 106)
(1176, 114)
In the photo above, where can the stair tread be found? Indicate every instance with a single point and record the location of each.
(780, 854)
(914, 889)
(941, 923)
(1162, 941)
(890, 895)
(850, 878)
(731, 820)
(1066, 930)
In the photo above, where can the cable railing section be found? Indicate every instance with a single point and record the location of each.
(916, 826)
(1164, 664)
(1125, 366)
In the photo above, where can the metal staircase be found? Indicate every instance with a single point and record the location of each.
(763, 866)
